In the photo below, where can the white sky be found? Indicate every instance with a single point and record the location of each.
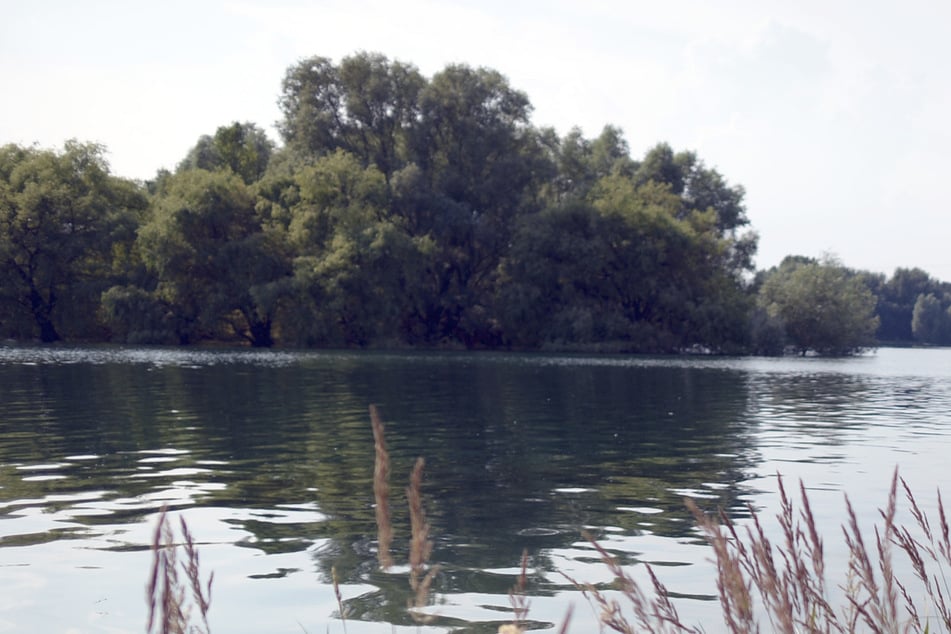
(834, 115)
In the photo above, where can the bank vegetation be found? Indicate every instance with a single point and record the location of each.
(402, 210)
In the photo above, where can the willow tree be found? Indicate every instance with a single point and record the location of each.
(479, 163)
(365, 106)
(356, 270)
(823, 306)
(623, 269)
(218, 271)
(931, 321)
(897, 299)
(243, 148)
(64, 221)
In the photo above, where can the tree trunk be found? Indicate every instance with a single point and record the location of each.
(261, 333)
(42, 314)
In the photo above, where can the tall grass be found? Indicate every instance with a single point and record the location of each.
(381, 490)
(171, 600)
(652, 610)
(768, 580)
(783, 586)
(421, 574)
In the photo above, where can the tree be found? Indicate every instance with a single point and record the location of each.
(218, 271)
(699, 187)
(675, 271)
(930, 321)
(479, 163)
(824, 307)
(582, 162)
(547, 293)
(312, 104)
(365, 106)
(622, 270)
(470, 139)
(137, 316)
(381, 101)
(897, 302)
(355, 266)
(243, 148)
(63, 220)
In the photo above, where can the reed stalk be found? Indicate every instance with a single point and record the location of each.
(339, 596)
(652, 611)
(421, 546)
(518, 596)
(166, 594)
(381, 490)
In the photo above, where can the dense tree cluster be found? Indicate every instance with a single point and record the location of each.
(816, 305)
(912, 306)
(405, 210)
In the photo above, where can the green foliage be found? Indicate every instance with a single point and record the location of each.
(698, 187)
(930, 322)
(471, 139)
(63, 221)
(458, 181)
(242, 148)
(897, 299)
(767, 333)
(364, 106)
(354, 265)
(824, 307)
(403, 210)
(138, 317)
(623, 269)
(214, 262)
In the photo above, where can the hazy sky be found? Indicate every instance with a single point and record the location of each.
(835, 116)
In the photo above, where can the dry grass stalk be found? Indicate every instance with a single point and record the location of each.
(654, 613)
(381, 490)
(520, 604)
(735, 590)
(201, 595)
(169, 611)
(790, 579)
(567, 620)
(786, 583)
(421, 547)
(876, 604)
(164, 592)
(518, 597)
(343, 616)
(934, 547)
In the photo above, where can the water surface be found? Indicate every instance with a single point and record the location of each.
(269, 457)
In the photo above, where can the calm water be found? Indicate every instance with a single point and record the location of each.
(269, 456)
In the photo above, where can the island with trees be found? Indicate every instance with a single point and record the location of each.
(406, 211)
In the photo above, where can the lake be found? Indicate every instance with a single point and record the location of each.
(269, 457)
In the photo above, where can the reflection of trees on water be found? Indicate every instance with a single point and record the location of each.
(519, 454)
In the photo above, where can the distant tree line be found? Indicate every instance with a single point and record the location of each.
(406, 211)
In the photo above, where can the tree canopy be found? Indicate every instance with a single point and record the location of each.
(66, 225)
(823, 306)
(243, 148)
(401, 209)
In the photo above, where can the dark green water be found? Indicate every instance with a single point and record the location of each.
(269, 457)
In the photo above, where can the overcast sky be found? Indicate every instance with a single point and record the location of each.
(835, 116)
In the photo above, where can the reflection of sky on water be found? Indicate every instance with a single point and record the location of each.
(840, 431)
